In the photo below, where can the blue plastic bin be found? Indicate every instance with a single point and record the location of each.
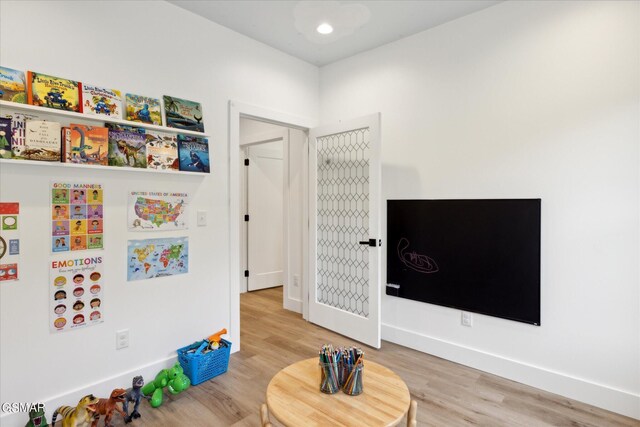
(201, 367)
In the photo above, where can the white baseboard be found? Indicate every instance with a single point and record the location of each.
(293, 304)
(100, 388)
(599, 395)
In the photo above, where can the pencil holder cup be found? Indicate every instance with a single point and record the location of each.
(329, 382)
(344, 373)
(353, 382)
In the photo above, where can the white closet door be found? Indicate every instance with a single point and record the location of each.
(265, 208)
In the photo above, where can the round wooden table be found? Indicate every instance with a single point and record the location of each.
(294, 398)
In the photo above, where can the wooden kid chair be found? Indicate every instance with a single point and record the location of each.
(411, 416)
(264, 416)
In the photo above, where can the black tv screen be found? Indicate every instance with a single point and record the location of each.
(481, 256)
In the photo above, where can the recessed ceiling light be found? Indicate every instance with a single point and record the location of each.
(324, 28)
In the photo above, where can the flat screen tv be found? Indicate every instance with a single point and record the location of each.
(481, 256)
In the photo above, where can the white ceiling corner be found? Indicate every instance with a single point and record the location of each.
(290, 26)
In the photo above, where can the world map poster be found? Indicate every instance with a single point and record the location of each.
(157, 211)
(151, 258)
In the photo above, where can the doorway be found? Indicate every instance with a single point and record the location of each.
(349, 156)
(237, 111)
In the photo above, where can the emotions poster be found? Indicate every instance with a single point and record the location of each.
(77, 216)
(76, 293)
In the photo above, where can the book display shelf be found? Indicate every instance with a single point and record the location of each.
(7, 107)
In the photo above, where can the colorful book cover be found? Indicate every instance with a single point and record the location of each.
(101, 101)
(42, 141)
(5, 138)
(12, 85)
(162, 151)
(143, 109)
(86, 144)
(183, 114)
(18, 133)
(128, 128)
(194, 153)
(127, 149)
(53, 92)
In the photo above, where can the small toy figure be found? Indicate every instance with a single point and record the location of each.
(134, 394)
(80, 416)
(37, 418)
(107, 406)
(214, 340)
(173, 378)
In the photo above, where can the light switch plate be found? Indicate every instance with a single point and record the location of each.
(202, 218)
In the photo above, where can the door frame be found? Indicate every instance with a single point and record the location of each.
(245, 144)
(237, 110)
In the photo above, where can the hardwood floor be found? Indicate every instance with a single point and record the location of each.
(448, 394)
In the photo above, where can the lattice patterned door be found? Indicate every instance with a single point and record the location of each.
(344, 212)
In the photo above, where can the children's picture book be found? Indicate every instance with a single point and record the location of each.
(127, 149)
(42, 141)
(143, 109)
(128, 128)
(86, 144)
(18, 133)
(5, 138)
(194, 153)
(101, 101)
(12, 85)
(183, 114)
(162, 151)
(53, 92)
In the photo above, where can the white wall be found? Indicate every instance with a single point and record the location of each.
(523, 99)
(150, 49)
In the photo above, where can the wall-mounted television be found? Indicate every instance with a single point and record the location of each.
(481, 256)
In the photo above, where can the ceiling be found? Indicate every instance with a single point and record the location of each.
(290, 26)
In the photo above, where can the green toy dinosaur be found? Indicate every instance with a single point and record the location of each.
(37, 418)
(173, 378)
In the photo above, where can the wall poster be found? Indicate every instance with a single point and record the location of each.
(77, 217)
(157, 211)
(150, 258)
(76, 292)
(9, 241)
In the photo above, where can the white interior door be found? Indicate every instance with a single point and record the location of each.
(265, 188)
(344, 228)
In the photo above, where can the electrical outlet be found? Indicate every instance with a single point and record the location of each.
(296, 280)
(466, 319)
(122, 339)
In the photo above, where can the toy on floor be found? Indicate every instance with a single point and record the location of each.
(173, 378)
(80, 416)
(37, 418)
(214, 339)
(107, 406)
(134, 394)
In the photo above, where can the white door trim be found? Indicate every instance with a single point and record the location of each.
(237, 110)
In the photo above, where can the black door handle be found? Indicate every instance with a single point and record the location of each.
(371, 242)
